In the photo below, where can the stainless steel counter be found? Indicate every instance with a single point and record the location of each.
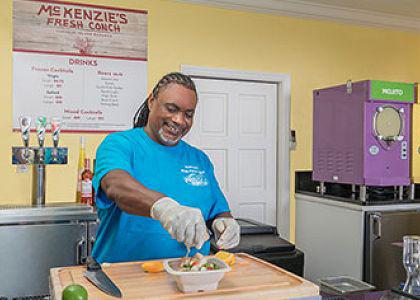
(342, 238)
(337, 202)
(34, 239)
(49, 213)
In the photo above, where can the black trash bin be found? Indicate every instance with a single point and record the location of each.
(262, 241)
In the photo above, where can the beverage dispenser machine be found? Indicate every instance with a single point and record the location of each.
(361, 134)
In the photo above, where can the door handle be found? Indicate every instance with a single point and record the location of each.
(376, 226)
(81, 255)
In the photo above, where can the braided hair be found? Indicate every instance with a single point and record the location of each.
(142, 114)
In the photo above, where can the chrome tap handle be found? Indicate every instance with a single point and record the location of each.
(25, 128)
(55, 129)
(41, 124)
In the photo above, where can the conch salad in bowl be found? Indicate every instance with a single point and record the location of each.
(197, 263)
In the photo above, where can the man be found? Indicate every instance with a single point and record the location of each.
(155, 192)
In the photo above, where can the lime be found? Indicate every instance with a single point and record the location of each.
(74, 292)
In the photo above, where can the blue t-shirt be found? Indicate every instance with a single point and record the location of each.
(181, 172)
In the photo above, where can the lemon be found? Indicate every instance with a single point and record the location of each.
(153, 266)
(74, 292)
(227, 257)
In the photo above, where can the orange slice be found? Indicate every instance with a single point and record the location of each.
(227, 257)
(153, 266)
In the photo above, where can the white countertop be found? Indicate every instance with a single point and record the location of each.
(356, 206)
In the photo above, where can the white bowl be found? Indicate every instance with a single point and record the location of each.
(196, 281)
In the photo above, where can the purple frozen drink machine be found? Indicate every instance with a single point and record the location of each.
(361, 134)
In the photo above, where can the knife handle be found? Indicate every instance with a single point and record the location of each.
(92, 264)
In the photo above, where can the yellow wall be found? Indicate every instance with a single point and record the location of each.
(315, 53)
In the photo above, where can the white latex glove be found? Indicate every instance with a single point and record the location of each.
(227, 232)
(185, 224)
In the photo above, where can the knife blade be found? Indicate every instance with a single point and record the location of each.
(98, 277)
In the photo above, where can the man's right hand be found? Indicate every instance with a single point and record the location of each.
(185, 224)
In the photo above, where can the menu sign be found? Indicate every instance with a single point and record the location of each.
(86, 64)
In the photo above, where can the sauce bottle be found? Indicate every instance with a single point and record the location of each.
(86, 184)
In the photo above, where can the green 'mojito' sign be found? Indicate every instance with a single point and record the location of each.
(395, 91)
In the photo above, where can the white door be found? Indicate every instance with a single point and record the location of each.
(235, 124)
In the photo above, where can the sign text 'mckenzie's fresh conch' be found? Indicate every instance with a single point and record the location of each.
(84, 63)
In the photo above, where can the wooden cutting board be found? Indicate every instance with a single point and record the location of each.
(250, 278)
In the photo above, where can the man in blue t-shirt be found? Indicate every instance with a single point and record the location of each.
(154, 192)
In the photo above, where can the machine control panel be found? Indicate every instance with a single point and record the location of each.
(374, 150)
(404, 150)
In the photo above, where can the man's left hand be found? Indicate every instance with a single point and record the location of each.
(227, 232)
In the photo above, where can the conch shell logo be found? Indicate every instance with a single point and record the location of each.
(84, 45)
(195, 179)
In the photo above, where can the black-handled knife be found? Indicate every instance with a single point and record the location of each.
(95, 275)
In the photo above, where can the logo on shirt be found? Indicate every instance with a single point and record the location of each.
(194, 176)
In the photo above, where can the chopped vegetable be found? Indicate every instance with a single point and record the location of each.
(197, 263)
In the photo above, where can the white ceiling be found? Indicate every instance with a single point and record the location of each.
(396, 14)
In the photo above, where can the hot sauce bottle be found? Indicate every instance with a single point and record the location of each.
(86, 184)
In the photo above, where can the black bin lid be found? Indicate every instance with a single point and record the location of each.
(263, 243)
(259, 238)
(249, 226)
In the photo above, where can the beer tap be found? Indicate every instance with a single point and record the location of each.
(38, 176)
(25, 127)
(55, 129)
(41, 124)
(39, 156)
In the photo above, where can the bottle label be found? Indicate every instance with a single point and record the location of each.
(86, 188)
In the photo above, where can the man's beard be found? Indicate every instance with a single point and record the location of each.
(170, 141)
(167, 141)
